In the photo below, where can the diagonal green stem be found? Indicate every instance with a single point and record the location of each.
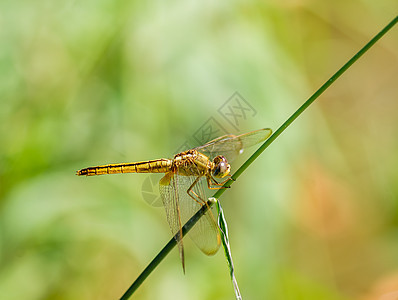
(171, 244)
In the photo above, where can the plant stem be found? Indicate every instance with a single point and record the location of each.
(191, 222)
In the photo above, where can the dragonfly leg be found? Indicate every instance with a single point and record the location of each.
(216, 185)
(199, 200)
(210, 183)
(223, 182)
(193, 195)
(230, 177)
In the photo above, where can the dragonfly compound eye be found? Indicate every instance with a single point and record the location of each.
(221, 167)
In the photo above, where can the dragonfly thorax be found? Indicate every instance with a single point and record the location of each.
(221, 167)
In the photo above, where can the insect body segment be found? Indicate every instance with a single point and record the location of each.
(186, 175)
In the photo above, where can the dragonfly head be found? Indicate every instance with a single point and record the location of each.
(221, 167)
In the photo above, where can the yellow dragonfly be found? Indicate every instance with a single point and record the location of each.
(182, 187)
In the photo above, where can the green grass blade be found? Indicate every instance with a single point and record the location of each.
(171, 244)
(223, 228)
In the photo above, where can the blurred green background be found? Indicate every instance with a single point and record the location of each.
(94, 82)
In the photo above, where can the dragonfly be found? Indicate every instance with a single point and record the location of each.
(182, 188)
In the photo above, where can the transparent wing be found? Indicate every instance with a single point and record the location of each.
(180, 207)
(168, 187)
(231, 146)
(205, 233)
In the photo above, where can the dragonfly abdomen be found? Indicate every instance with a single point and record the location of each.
(150, 166)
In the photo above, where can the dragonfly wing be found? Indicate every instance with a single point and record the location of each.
(205, 233)
(168, 188)
(231, 146)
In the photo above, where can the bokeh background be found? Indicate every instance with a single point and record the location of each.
(84, 83)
